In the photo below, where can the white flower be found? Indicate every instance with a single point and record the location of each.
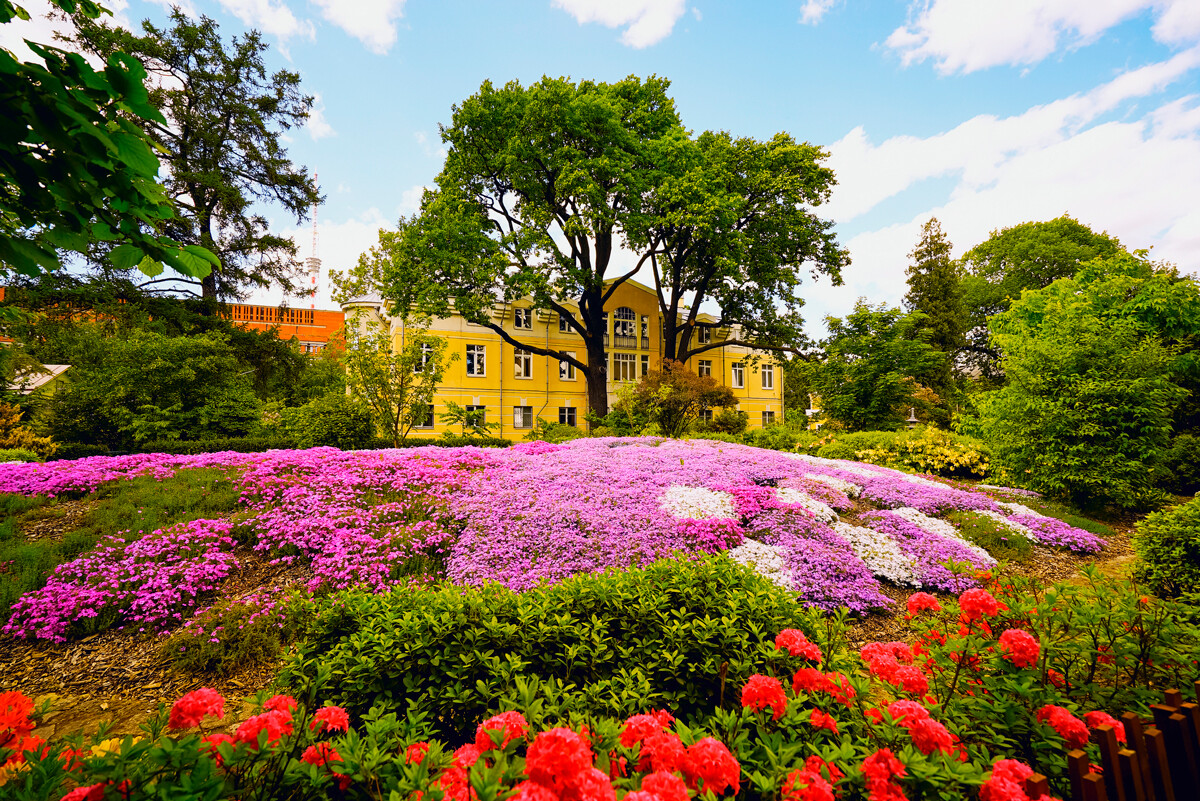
(943, 528)
(838, 464)
(797, 498)
(697, 503)
(880, 553)
(1011, 525)
(1019, 509)
(1011, 490)
(851, 489)
(765, 560)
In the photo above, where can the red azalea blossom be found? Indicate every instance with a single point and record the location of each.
(977, 604)
(15, 708)
(332, 718)
(455, 785)
(280, 703)
(617, 766)
(510, 725)
(639, 727)
(320, 754)
(467, 755)
(762, 692)
(415, 753)
(827, 769)
(94, 792)
(532, 791)
(1070, 728)
(929, 735)
(662, 751)
(920, 602)
(1020, 647)
(589, 785)
(665, 786)
(806, 785)
(189, 710)
(906, 713)
(822, 721)
(796, 644)
(709, 761)
(1007, 782)
(640, 795)
(209, 745)
(882, 769)
(895, 651)
(275, 723)
(556, 756)
(1094, 719)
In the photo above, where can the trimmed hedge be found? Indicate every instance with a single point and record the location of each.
(678, 634)
(379, 443)
(1168, 546)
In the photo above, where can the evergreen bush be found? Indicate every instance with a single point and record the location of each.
(1168, 548)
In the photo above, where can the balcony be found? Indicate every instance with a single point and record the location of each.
(645, 343)
(630, 343)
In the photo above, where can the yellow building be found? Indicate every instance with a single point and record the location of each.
(516, 387)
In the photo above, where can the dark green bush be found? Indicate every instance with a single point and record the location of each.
(1168, 547)
(239, 444)
(333, 419)
(379, 443)
(1182, 465)
(78, 450)
(776, 438)
(679, 634)
(993, 536)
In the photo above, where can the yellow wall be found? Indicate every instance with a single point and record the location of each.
(499, 389)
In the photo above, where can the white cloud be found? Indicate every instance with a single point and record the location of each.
(316, 124)
(814, 10)
(372, 22)
(41, 27)
(410, 200)
(270, 16)
(648, 21)
(968, 35)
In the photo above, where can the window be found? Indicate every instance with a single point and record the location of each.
(523, 318)
(564, 324)
(705, 367)
(706, 415)
(523, 363)
(425, 418)
(768, 419)
(645, 366)
(566, 370)
(566, 415)
(645, 330)
(704, 335)
(426, 356)
(623, 327)
(476, 359)
(768, 377)
(477, 413)
(522, 417)
(739, 375)
(624, 367)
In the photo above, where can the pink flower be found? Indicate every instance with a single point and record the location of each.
(192, 708)
(332, 718)
(1094, 719)
(1070, 728)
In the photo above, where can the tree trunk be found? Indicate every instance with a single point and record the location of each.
(597, 376)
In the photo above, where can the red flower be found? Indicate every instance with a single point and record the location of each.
(1020, 647)
(189, 710)
(556, 756)
(639, 727)
(532, 791)
(806, 785)
(640, 795)
(415, 753)
(1069, 727)
(762, 692)
(455, 785)
(976, 604)
(887, 651)
(1094, 719)
(882, 769)
(665, 786)
(822, 721)
(509, 725)
(920, 602)
(929, 735)
(662, 751)
(209, 745)
(1006, 782)
(280, 703)
(15, 709)
(796, 644)
(873, 715)
(275, 723)
(93, 793)
(906, 713)
(333, 718)
(828, 769)
(467, 755)
(320, 754)
(709, 761)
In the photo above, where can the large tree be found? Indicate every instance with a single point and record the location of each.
(935, 290)
(731, 224)
(75, 165)
(1031, 255)
(221, 143)
(538, 187)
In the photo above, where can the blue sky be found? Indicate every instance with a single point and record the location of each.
(985, 113)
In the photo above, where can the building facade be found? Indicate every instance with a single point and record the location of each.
(312, 327)
(515, 388)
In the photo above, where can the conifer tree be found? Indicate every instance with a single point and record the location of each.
(935, 290)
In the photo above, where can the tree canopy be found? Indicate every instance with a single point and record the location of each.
(219, 132)
(935, 290)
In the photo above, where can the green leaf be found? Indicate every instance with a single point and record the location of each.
(150, 267)
(125, 256)
(134, 152)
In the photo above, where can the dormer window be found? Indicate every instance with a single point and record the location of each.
(523, 319)
(704, 335)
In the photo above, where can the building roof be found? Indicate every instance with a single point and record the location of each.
(30, 379)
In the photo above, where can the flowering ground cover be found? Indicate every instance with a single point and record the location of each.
(829, 530)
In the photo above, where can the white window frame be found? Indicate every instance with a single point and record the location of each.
(521, 419)
(471, 407)
(564, 324)
(566, 370)
(704, 367)
(429, 421)
(768, 417)
(703, 335)
(569, 413)
(525, 315)
(628, 369)
(426, 357)
(738, 375)
(477, 360)
(768, 376)
(522, 364)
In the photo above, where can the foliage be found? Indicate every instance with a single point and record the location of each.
(777, 438)
(14, 436)
(147, 386)
(548, 431)
(334, 420)
(674, 396)
(234, 633)
(470, 421)
(928, 450)
(935, 290)
(378, 443)
(1181, 465)
(1031, 255)
(18, 455)
(1094, 365)
(220, 133)
(240, 445)
(867, 378)
(396, 384)
(77, 166)
(1168, 549)
(672, 634)
(1001, 541)
(727, 421)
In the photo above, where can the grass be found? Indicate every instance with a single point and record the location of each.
(129, 509)
(997, 539)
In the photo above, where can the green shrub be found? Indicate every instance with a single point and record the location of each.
(673, 634)
(239, 444)
(993, 536)
(333, 419)
(1168, 547)
(776, 438)
(18, 455)
(922, 450)
(381, 444)
(729, 421)
(1182, 465)
(78, 450)
(234, 633)
(554, 432)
